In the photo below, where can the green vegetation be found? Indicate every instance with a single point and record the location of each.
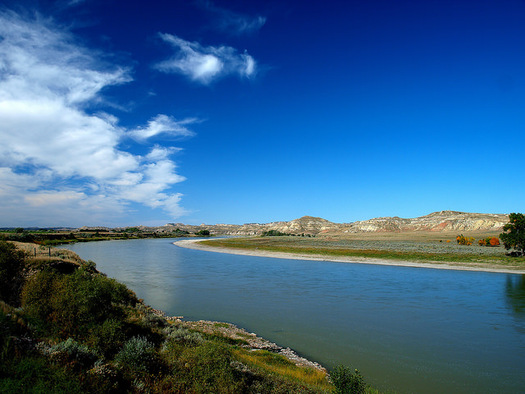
(64, 327)
(514, 235)
(11, 266)
(279, 367)
(203, 233)
(273, 233)
(425, 252)
(346, 381)
(55, 237)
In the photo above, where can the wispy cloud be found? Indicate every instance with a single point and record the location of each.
(54, 154)
(205, 64)
(163, 124)
(232, 22)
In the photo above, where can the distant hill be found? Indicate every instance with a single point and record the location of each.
(437, 221)
(308, 225)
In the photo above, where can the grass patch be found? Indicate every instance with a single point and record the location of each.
(276, 364)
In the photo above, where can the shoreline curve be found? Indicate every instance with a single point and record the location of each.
(196, 245)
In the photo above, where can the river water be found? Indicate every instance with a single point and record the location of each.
(410, 330)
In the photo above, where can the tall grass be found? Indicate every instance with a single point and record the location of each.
(279, 365)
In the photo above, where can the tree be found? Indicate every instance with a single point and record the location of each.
(514, 235)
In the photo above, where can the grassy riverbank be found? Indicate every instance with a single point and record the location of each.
(65, 327)
(395, 247)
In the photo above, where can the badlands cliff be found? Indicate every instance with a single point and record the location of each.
(435, 222)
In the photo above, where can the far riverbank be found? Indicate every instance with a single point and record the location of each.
(198, 244)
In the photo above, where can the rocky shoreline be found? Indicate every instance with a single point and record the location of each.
(253, 341)
(248, 340)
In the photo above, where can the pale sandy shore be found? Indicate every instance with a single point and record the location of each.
(194, 244)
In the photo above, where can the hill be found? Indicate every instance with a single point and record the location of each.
(435, 222)
(442, 221)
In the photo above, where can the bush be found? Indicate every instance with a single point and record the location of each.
(207, 369)
(71, 350)
(72, 305)
(494, 241)
(11, 266)
(462, 240)
(184, 336)
(346, 381)
(108, 337)
(37, 375)
(138, 354)
(273, 233)
(489, 241)
(13, 332)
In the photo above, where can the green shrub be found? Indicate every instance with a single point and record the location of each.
(153, 320)
(107, 337)
(184, 336)
(179, 339)
(12, 330)
(138, 354)
(71, 350)
(207, 369)
(37, 375)
(273, 233)
(72, 305)
(11, 266)
(346, 381)
(104, 378)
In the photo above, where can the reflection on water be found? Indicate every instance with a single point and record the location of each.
(406, 329)
(515, 292)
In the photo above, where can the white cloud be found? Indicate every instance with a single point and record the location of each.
(233, 22)
(58, 163)
(164, 124)
(205, 64)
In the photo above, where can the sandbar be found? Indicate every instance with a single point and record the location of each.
(195, 244)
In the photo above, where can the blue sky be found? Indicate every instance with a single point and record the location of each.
(125, 113)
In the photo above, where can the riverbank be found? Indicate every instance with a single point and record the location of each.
(198, 244)
(89, 332)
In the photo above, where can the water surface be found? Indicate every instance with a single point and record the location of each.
(406, 329)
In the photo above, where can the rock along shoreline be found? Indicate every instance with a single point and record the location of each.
(252, 341)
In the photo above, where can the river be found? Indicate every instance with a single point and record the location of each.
(410, 330)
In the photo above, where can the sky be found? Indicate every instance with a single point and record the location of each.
(130, 113)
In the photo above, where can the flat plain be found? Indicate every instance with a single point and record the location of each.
(435, 249)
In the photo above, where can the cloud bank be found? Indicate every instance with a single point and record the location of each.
(58, 161)
(205, 64)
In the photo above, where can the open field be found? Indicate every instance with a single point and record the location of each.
(423, 249)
